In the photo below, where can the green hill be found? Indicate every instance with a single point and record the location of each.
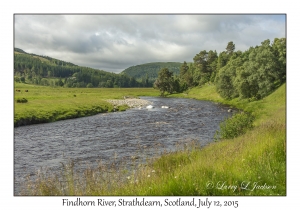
(48, 60)
(44, 70)
(34, 68)
(151, 69)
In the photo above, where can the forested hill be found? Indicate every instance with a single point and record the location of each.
(48, 60)
(151, 70)
(44, 70)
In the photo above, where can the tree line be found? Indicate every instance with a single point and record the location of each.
(254, 73)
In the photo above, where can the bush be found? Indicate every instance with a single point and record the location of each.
(22, 100)
(122, 107)
(237, 125)
(90, 85)
(17, 79)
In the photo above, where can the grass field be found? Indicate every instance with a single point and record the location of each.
(47, 104)
(251, 164)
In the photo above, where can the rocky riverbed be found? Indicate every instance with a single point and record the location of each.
(131, 102)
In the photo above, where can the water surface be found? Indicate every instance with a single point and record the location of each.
(121, 134)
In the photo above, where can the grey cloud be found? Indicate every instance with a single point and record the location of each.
(115, 42)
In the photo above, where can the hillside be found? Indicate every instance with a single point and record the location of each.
(47, 71)
(151, 69)
(48, 60)
(44, 70)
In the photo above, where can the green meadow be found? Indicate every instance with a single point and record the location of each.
(47, 104)
(253, 163)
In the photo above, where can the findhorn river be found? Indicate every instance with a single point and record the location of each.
(102, 136)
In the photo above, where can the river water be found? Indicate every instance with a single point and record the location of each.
(121, 134)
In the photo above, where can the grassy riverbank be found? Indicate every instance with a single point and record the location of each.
(46, 104)
(251, 164)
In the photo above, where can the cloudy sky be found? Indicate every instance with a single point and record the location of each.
(116, 42)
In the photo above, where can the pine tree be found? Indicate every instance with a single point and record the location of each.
(164, 82)
(230, 48)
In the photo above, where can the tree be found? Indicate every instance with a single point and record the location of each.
(147, 81)
(22, 79)
(44, 82)
(230, 48)
(222, 60)
(17, 79)
(184, 77)
(59, 83)
(279, 50)
(212, 61)
(49, 73)
(224, 56)
(164, 82)
(132, 82)
(183, 69)
(226, 77)
(206, 64)
(200, 61)
(176, 85)
(109, 84)
(261, 74)
(90, 85)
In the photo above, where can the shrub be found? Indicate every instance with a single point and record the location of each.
(122, 107)
(237, 125)
(17, 79)
(22, 100)
(90, 85)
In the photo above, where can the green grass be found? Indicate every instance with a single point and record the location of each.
(46, 104)
(251, 164)
(261, 109)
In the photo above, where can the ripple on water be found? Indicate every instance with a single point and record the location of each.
(102, 136)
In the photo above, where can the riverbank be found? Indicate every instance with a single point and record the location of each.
(251, 164)
(46, 104)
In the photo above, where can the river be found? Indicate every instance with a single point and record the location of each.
(121, 134)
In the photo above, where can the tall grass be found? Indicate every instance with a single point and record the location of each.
(253, 163)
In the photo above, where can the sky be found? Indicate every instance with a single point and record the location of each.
(115, 42)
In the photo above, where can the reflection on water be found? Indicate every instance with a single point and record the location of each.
(124, 134)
